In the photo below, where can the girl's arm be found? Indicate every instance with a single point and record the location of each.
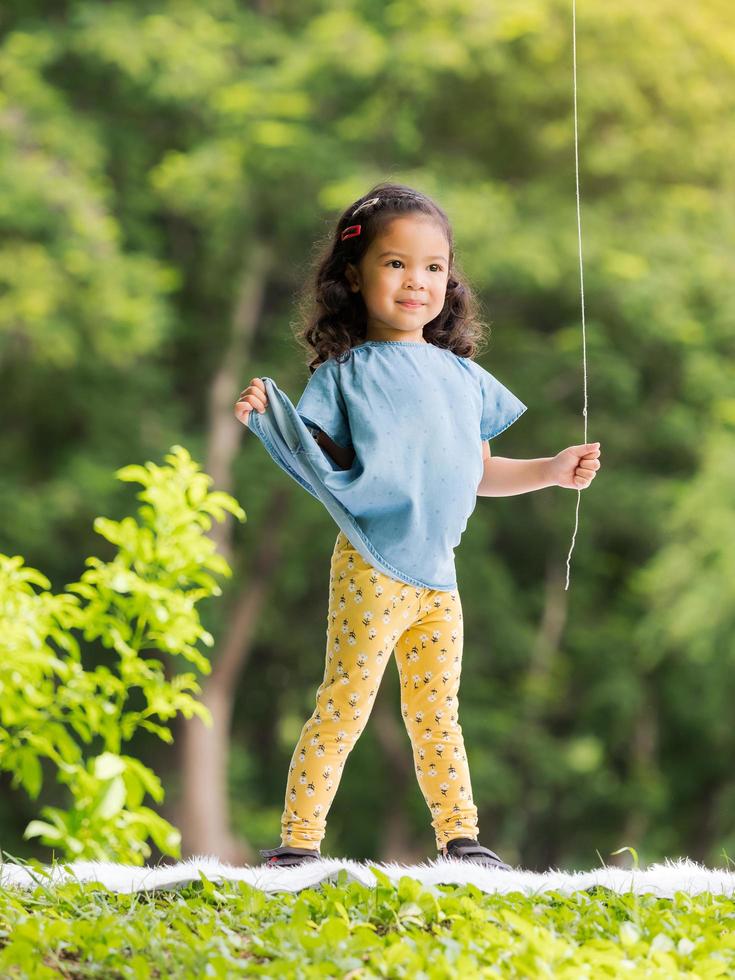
(573, 468)
(342, 457)
(504, 477)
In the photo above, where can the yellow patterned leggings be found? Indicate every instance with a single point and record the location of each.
(370, 615)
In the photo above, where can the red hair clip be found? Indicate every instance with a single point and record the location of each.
(351, 232)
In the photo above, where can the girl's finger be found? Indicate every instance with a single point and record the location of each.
(252, 402)
(255, 396)
(258, 388)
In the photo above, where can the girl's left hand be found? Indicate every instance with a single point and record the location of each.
(576, 467)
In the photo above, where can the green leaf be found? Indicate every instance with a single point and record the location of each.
(112, 800)
(31, 773)
(107, 765)
(39, 828)
(133, 474)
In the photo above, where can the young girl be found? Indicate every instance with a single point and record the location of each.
(391, 434)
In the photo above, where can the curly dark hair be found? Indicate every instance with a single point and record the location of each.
(334, 319)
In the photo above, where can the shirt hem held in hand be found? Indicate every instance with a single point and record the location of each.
(415, 415)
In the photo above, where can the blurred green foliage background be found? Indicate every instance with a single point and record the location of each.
(166, 169)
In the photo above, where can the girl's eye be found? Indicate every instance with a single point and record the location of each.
(436, 264)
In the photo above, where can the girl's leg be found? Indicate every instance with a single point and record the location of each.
(364, 621)
(429, 657)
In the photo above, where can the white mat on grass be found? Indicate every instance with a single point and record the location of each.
(658, 879)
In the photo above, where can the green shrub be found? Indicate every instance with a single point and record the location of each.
(139, 605)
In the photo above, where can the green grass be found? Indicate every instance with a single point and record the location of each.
(349, 930)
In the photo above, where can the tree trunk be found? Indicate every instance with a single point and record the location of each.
(546, 644)
(534, 708)
(709, 826)
(642, 759)
(225, 431)
(203, 812)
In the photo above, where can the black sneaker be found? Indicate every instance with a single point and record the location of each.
(289, 856)
(466, 849)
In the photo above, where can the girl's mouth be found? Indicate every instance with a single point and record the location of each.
(410, 306)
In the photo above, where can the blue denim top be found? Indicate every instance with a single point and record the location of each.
(415, 415)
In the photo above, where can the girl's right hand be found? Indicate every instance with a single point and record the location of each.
(254, 396)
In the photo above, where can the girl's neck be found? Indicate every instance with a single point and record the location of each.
(395, 340)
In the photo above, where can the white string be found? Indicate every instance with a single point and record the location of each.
(581, 272)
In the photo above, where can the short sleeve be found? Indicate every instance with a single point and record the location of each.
(500, 407)
(322, 405)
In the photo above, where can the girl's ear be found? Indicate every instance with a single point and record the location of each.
(352, 278)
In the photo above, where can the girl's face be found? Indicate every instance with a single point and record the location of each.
(409, 261)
